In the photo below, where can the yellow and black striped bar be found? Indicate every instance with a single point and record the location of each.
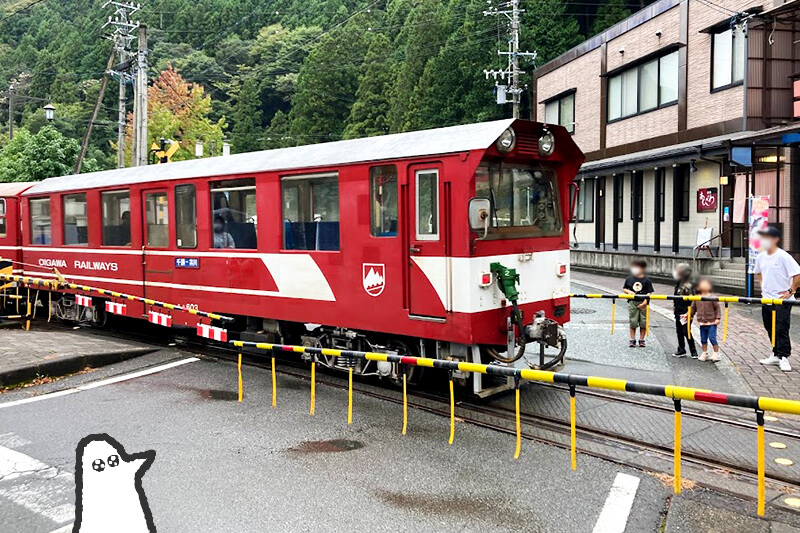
(763, 403)
(55, 284)
(690, 298)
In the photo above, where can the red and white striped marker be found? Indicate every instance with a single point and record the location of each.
(159, 318)
(213, 333)
(85, 301)
(116, 308)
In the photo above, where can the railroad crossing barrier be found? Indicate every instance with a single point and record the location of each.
(759, 404)
(692, 298)
(54, 284)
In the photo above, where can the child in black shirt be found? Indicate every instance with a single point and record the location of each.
(638, 283)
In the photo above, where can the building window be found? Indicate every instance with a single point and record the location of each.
(310, 212)
(40, 221)
(185, 216)
(116, 207)
(619, 197)
(561, 111)
(2, 217)
(75, 224)
(637, 195)
(383, 201)
(585, 206)
(728, 56)
(233, 214)
(662, 194)
(156, 209)
(642, 88)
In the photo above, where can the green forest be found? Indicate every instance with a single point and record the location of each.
(262, 74)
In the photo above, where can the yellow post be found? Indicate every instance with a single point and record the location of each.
(239, 366)
(405, 405)
(647, 320)
(761, 474)
(689, 323)
(774, 319)
(28, 317)
(613, 314)
(725, 324)
(313, 388)
(274, 385)
(572, 436)
(519, 427)
(452, 412)
(350, 397)
(677, 480)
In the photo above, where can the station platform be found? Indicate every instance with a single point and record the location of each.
(51, 350)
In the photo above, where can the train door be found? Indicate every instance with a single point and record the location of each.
(428, 266)
(157, 268)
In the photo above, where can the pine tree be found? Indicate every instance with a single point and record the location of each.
(548, 29)
(370, 113)
(608, 14)
(247, 132)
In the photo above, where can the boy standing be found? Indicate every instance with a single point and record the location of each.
(638, 284)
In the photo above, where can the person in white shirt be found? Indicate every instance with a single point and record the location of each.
(779, 276)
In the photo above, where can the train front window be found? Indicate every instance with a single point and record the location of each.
(233, 216)
(525, 201)
(40, 221)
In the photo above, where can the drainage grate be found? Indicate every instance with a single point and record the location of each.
(582, 311)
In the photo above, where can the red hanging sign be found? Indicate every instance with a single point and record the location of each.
(707, 199)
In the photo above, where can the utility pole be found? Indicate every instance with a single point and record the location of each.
(122, 38)
(95, 111)
(140, 149)
(511, 73)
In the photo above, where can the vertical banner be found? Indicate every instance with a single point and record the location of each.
(758, 220)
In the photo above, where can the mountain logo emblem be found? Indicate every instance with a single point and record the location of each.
(373, 278)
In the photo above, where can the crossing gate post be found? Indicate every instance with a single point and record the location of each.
(647, 320)
(774, 317)
(572, 436)
(689, 322)
(274, 385)
(405, 401)
(452, 410)
(518, 425)
(613, 313)
(761, 468)
(239, 367)
(677, 468)
(313, 387)
(725, 325)
(350, 396)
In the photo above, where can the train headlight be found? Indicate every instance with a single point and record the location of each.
(507, 141)
(547, 144)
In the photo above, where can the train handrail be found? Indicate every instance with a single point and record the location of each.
(54, 284)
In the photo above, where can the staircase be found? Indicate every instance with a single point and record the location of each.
(727, 275)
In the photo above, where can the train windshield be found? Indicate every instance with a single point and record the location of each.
(524, 199)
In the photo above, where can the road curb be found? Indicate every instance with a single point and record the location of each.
(68, 365)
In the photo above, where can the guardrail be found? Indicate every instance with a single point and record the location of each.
(772, 302)
(51, 284)
(759, 404)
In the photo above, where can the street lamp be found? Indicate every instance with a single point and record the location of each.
(198, 149)
(226, 149)
(49, 112)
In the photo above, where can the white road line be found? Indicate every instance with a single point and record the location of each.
(614, 516)
(39, 488)
(65, 529)
(100, 383)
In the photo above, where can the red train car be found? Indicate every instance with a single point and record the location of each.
(10, 235)
(406, 243)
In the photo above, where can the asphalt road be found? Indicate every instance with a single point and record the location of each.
(224, 466)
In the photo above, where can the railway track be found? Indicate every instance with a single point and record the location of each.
(538, 427)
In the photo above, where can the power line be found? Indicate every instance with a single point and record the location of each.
(20, 10)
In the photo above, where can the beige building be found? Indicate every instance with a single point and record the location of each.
(684, 110)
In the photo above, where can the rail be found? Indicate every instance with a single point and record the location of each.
(51, 284)
(678, 394)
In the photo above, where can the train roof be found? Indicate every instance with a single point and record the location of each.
(452, 139)
(14, 188)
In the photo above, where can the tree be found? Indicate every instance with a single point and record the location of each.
(609, 13)
(370, 113)
(247, 131)
(548, 29)
(35, 157)
(178, 110)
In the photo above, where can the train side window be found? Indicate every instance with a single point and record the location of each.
(186, 216)
(116, 207)
(157, 217)
(75, 223)
(383, 200)
(2, 217)
(310, 212)
(40, 220)
(427, 205)
(233, 216)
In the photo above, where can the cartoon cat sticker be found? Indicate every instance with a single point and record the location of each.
(108, 488)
